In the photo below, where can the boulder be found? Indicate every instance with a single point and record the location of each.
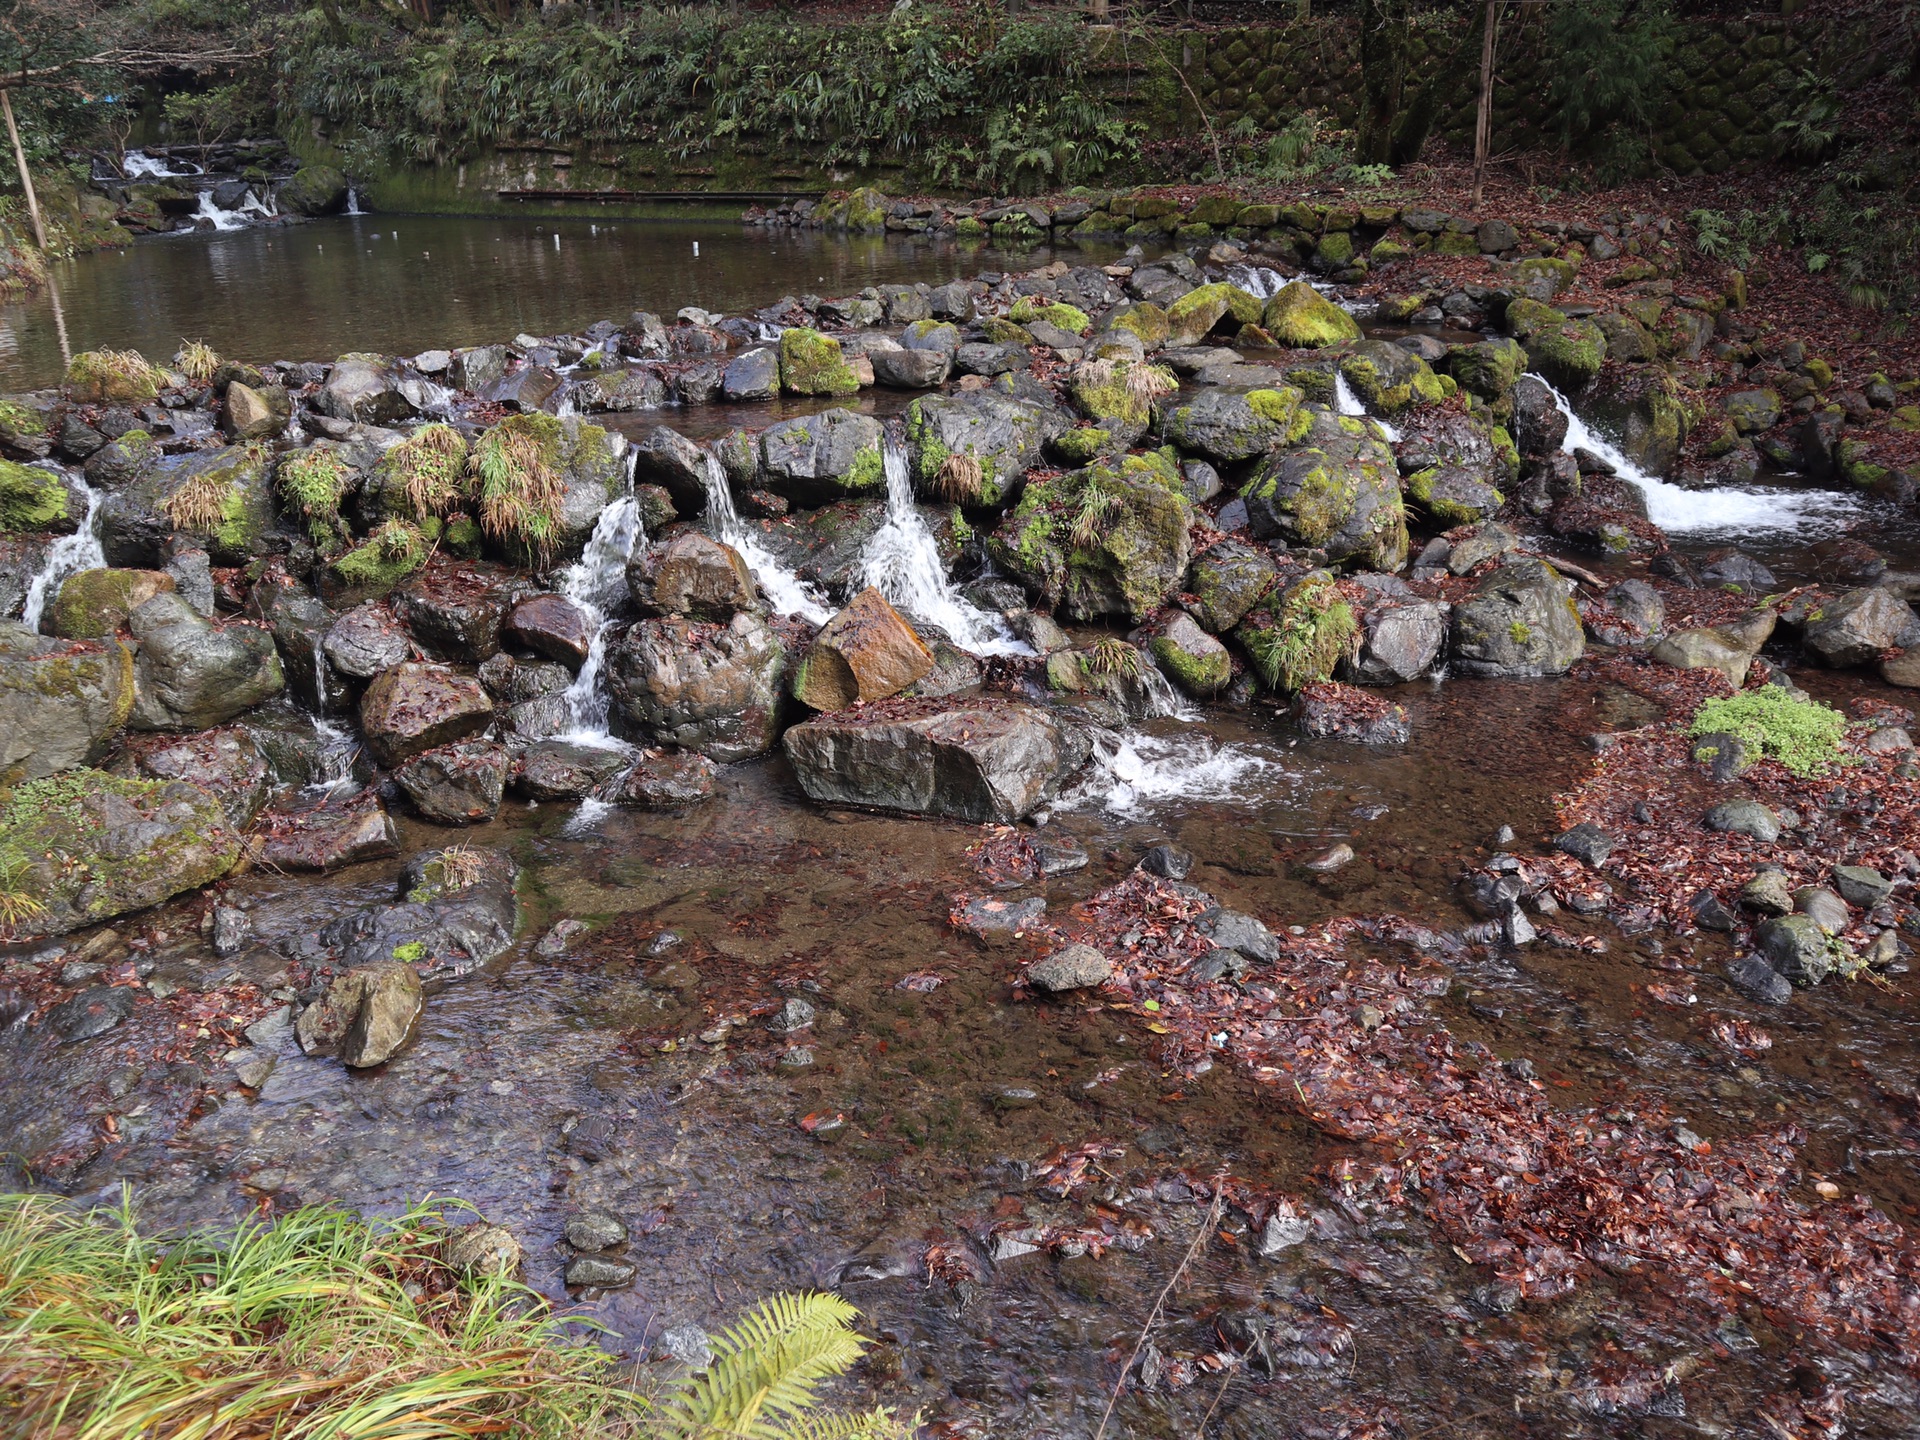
(1400, 640)
(299, 625)
(1202, 310)
(1488, 369)
(365, 641)
(227, 763)
(1196, 662)
(328, 836)
(1519, 621)
(692, 575)
(93, 604)
(457, 784)
(1228, 580)
(811, 364)
(1332, 711)
(675, 781)
(1857, 627)
(1112, 539)
(1567, 352)
(986, 761)
(61, 704)
(90, 846)
(365, 1016)
(668, 459)
(1389, 378)
(1337, 491)
(590, 465)
(38, 499)
(454, 609)
(191, 674)
(752, 375)
(1751, 818)
(1300, 317)
(905, 369)
(457, 909)
(1299, 636)
(707, 687)
(866, 652)
(313, 190)
(222, 497)
(622, 390)
(820, 458)
(1727, 648)
(550, 625)
(1229, 426)
(256, 414)
(414, 707)
(1001, 435)
(563, 770)
(1796, 947)
(365, 389)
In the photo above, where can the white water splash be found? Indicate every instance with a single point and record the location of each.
(353, 202)
(333, 768)
(138, 165)
(222, 220)
(1259, 281)
(902, 561)
(786, 592)
(597, 583)
(1133, 773)
(1345, 402)
(69, 555)
(1732, 510)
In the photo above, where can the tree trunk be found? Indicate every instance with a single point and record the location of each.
(1382, 66)
(1483, 113)
(1417, 117)
(26, 176)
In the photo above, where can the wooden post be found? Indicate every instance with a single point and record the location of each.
(1483, 116)
(20, 160)
(1098, 10)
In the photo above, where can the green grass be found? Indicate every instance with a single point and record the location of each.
(1802, 735)
(326, 1325)
(520, 488)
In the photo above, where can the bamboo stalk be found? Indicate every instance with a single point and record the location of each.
(20, 160)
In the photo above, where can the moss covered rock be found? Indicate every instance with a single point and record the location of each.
(36, 501)
(1569, 353)
(314, 190)
(1539, 277)
(1229, 580)
(1143, 319)
(84, 846)
(1389, 378)
(1298, 639)
(1338, 491)
(221, 498)
(1199, 312)
(1112, 539)
(817, 459)
(94, 604)
(113, 377)
(1029, 308)
(1519, 622)
(1488, 370)
(975, 448)
(1452, 496)
(866, 211)
(811, 364)
(1193, 659)
(61, 703)
(1228, 427)
(1302, 317)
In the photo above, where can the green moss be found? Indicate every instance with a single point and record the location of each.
(868, 471)
(811, 364)
(17, 419)
(411, 952)
(463, 537)
(1299, 640)
(1520, 632)
(383, 560)
(1029, 308)
(866, 212)
(968, 228)
(1197, 674)
(1145, 320)
(1302, 317)
(1082, 444)
(113, 377)
(1122, 390)
(1196, 313)
(425, 474)
(1004, 332)
(31, 499)
(1802, 735)
(313, 482)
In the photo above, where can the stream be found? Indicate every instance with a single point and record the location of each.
(634, 1068)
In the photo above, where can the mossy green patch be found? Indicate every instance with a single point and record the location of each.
(113, 377)
(313, 482)
(31, 500)
(1145, 320)
(1802, 735)
(1029, 308)
(1298, 640)
(811, 364)
(1300, 316)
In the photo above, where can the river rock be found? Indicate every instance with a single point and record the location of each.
(1238, 931)
(525, 390)
(92, 846)
(458, 911)
(136, 521)
(597, 1272)
(299, 624)
(454, 610)
(1073, 967)
(61, 703)
(365, 641)
(1902, 670)
(1736, 567)
(692, 575)
(1002, 433)
(706, 687)
(752, 375)
(1796, 947)
(562, 770)
(1229, 580)
(1727, 648)
(226, 763)
(677, 780)
(313, 190)
(1823, 907)
(414, 707)
(365, 1016)
(1518, 622)
(93, 604)
(1861, 886)
(1586, 842)
(1300, 317)
(483, 1249)
(255, 414)
(595, 1229)
(1400, 640)
(1768, 893)
(1744, 817)
(1338, 491)
(1757, 980)
(550, 625)
(988, 761)
(1487, 542)
(866, 652)
(668, 459)
(365, 389)
(327, 837)
(458, 784)
(1857, 627)
(1229, 427)
(191, 674)
(905, 369)
(1197, 663)
(816, 459)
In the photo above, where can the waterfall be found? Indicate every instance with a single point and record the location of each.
(786, 592)
(597, 583)
(138, 165)
(214, 215)
(1735, 511)
(333, 766)
(353, 200)
(1259, 281)
(69, 555)
(902, 562)
(1345, 402)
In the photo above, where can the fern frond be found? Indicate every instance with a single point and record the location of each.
(765, 1369)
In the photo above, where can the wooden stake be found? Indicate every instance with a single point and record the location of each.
(1483, 116)
(20, 160)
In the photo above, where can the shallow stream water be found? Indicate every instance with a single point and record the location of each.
(926, 1097)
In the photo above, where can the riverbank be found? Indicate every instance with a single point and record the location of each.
(899, 843)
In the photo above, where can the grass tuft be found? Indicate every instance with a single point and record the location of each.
(199, 504)
(198, 361)
(516, 465)
(430, 468)
(960, 480)
(1111, 655)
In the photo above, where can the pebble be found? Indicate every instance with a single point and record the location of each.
(1071, 968)
(596, 1229)
(596, 1272)
(232, 928)
(688, 1344)
(796, 1014)
(556, 940)
(1745, 817)
(1333, 859)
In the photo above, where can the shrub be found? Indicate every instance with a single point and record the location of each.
(1802, 735)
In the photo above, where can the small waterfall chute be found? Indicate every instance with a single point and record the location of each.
(1345, 402)
(69, 555)
(597, 583)
(221, 220)
(786, 592)
(1733, 510)
(1132, 772)
(1260, 281)
(902, 561)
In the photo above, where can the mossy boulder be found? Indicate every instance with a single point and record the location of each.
(1229, 580)
(817, 459)
(61, 703)
(1488, 370)
(374, 568)
(1297, 639)
(1452, 496)
(1029, 308)
(221, 498)
(1111, 539)
(1519, 622)
(1206, 308)
(1540, 277)
(811, 364)
(113, 377)
(1001, 435)
(87, 846)
(1643, 407)
(314, 190)
(1388, 378)
(36, 501)
(123, 460)
(866, 211)
(1568, 352)
(1193, 659)
(94, 604)
(1228, 427)
(1301, 317)
(1142, 319)
(1118, 394)
(1337, 491)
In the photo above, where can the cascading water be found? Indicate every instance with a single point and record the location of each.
(902, 562)
(1133, 772)
(333, 765)
(1257, 280)
(1733, 511)
(353, 200)
(221, 220)
(1345, 402)
(138, 165)
(597, 583)
(69, 555)
(786, 592)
